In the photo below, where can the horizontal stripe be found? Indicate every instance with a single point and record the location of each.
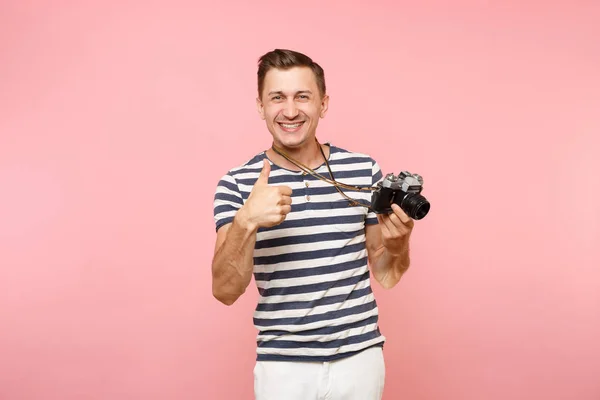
(328, 353)
(308, 238)
(311, 271)
(309, 255)
(319, 309)
(377, 177)
(347, 240)
(301, 191)
(289, 344)
(303, 272)
(311, 280)
(357, 331)
(296, 305)
(226, 184)
(284, 179)
(223, 209)
(249, 180)
(349, 160)
(323, 206)
(307, 222)
(316, 263)
(313, 318)
(323, 332)
(223, 221)
(226, 197)
(310, 296)
(296, 329)
(332, 328)
(304, 231)
(312, 288)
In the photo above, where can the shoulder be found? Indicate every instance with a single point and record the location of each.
(349, 159)
(251, 165)
(342, 152)
(248, 168)
(344, 155)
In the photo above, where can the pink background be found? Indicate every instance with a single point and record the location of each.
(116, 122)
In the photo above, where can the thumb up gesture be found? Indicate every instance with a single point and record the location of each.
(267, 206)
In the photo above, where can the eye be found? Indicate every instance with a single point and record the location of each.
(303, 97)
(276, 98)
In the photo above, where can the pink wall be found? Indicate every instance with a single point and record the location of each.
(117, 121)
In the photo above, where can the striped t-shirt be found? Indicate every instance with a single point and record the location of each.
(315, 298)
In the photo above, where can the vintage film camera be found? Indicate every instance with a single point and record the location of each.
(404, 190)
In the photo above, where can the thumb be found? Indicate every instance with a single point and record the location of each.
(263, 178)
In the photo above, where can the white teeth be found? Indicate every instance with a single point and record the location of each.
(291, 126)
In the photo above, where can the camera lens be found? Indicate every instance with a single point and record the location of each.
(415, 206)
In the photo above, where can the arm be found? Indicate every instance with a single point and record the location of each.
(388, 247)
(232, 264)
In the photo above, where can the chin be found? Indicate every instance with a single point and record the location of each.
(291, 140)
(293, 143)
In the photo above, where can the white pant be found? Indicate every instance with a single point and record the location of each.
(359, 377)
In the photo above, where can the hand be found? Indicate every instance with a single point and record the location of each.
(266, 206)
(395, 230)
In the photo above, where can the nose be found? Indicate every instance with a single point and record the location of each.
(290, 110)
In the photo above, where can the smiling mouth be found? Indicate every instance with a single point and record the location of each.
(291, 127)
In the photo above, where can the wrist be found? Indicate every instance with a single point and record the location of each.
(400, 250)
(244, 221)
(396, 255)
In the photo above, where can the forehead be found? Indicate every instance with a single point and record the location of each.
(293, 79)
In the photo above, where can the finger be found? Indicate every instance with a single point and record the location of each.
(396, 221)
(285, 190)
(285, 200)
(399, 212)
(385, 231)
(286, 209)
(389, 224)
(263, 178)
(401, 227)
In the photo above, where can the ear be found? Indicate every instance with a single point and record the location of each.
(324, 106)
(260, 108)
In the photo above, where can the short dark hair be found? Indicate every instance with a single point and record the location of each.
(286, 59)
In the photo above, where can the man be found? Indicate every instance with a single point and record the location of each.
(309, 244)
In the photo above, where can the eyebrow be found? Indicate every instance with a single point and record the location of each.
(281, 92)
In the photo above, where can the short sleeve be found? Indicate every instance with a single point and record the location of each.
(376, 177)
(227, 200)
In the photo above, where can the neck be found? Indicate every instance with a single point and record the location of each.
(309, 155)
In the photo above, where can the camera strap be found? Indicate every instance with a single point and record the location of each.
(332, 181)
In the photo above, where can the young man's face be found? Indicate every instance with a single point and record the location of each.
(291, 105)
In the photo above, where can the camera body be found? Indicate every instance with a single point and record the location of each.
(404, 190)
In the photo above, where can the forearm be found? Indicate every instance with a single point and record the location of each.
(388, 267)
(233, 262)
